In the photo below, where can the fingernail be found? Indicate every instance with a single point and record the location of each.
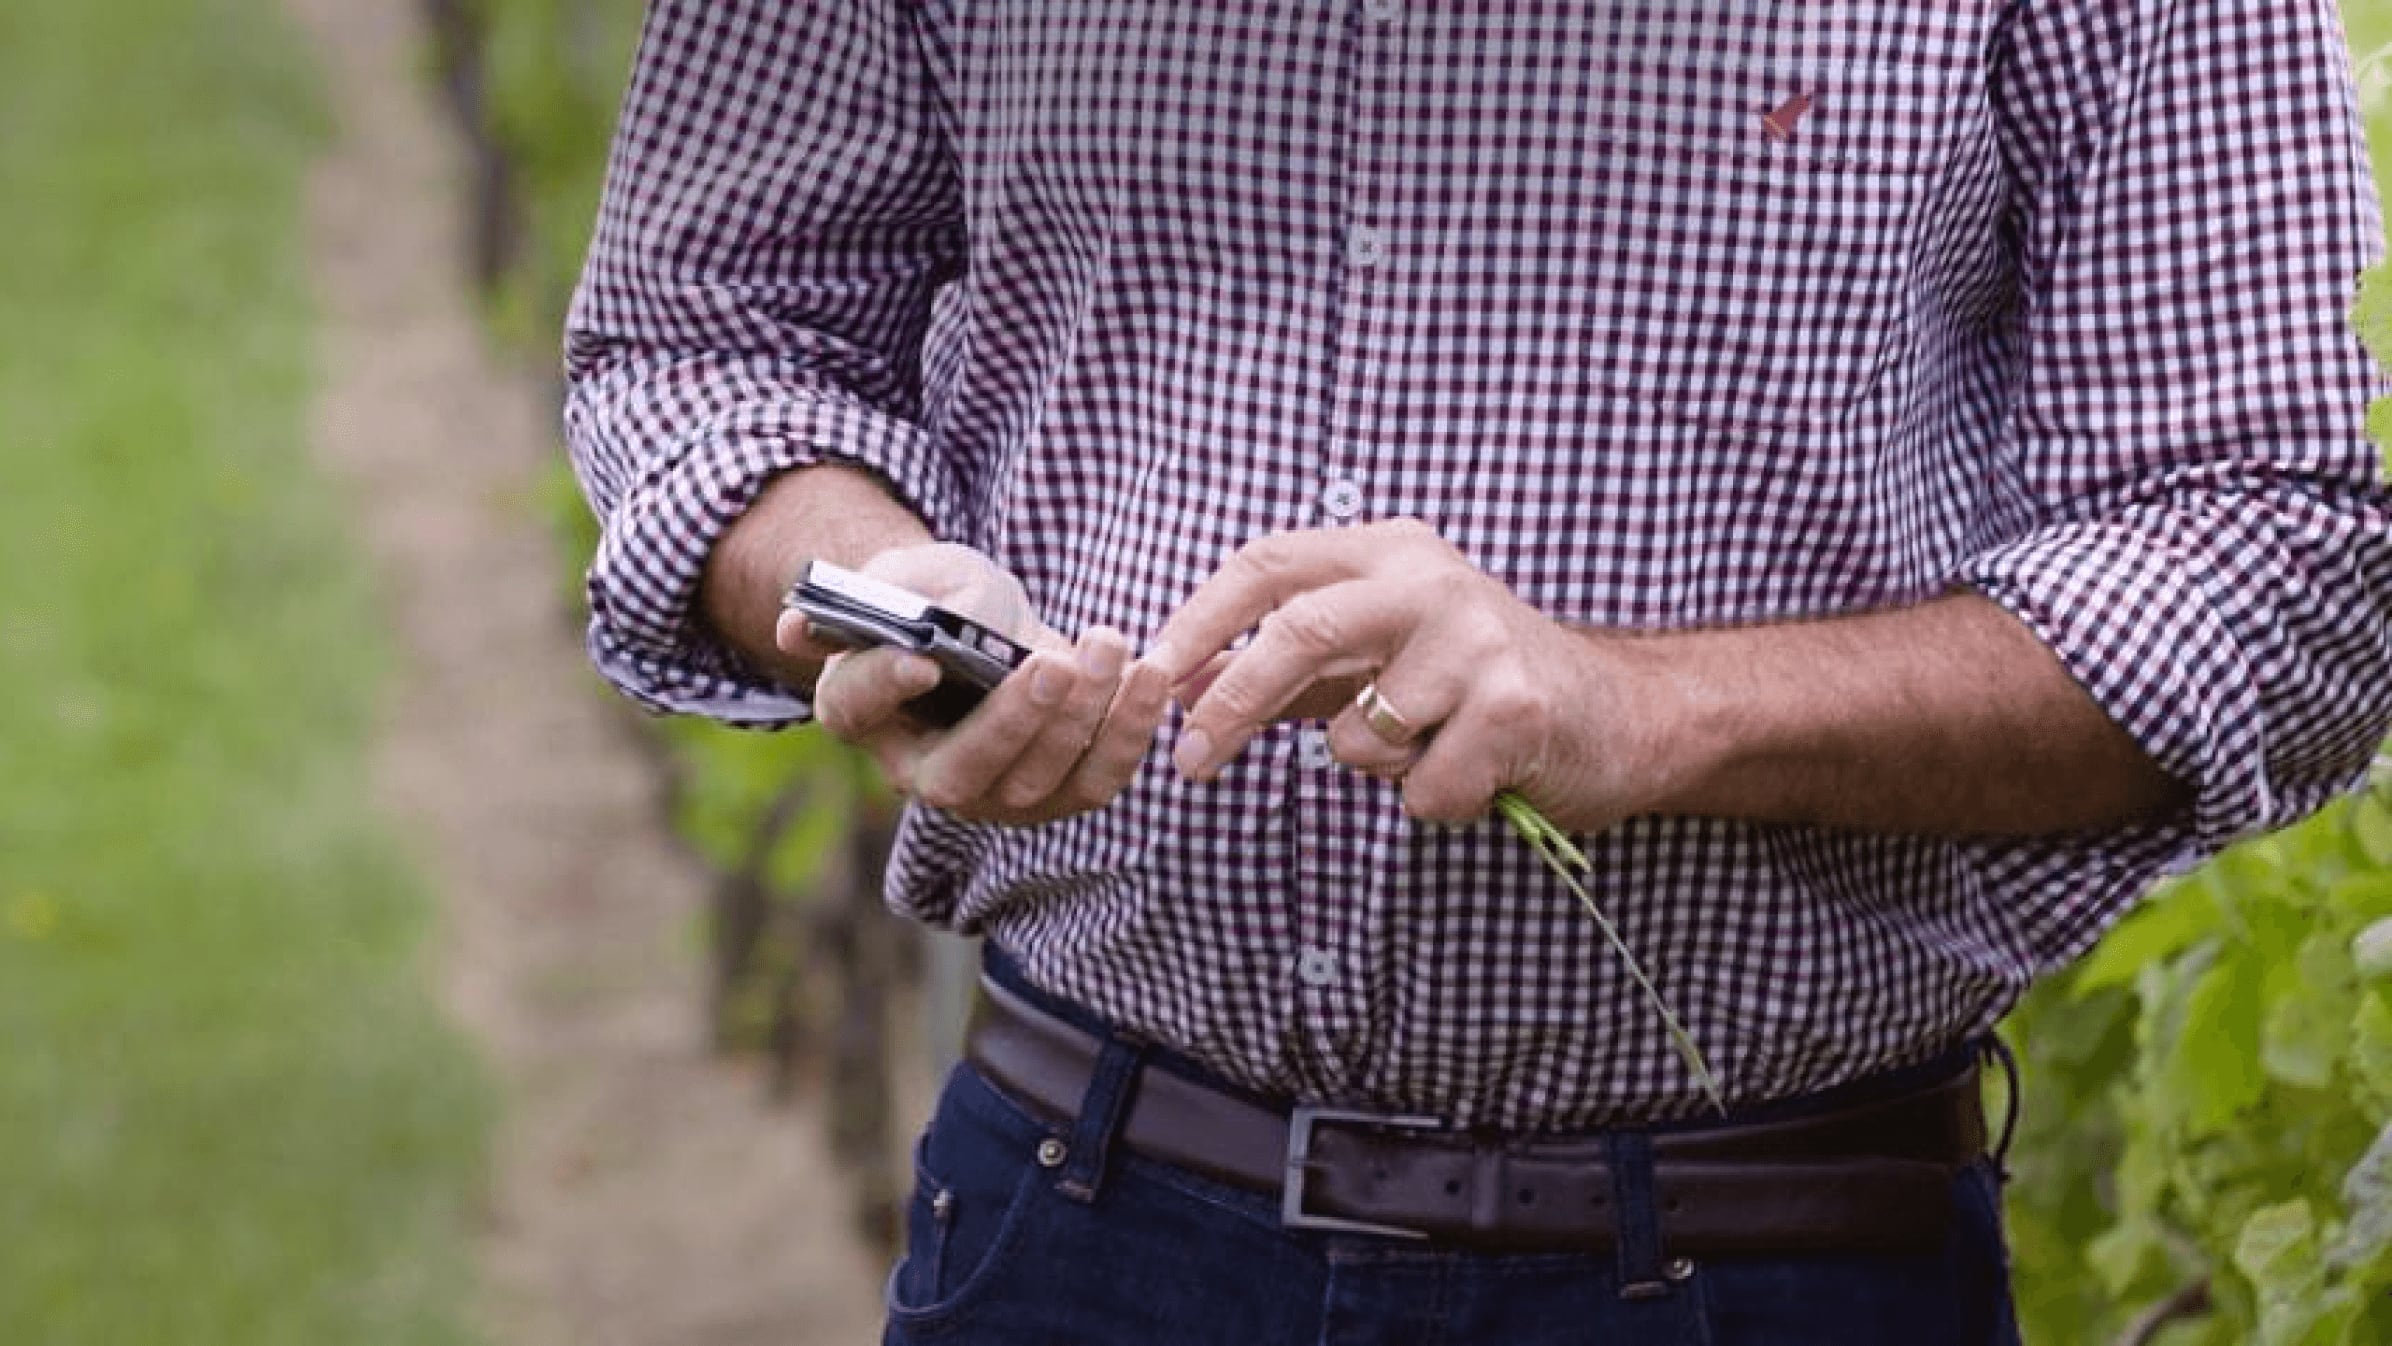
(791, 630)
(1046, 685)
(1193, 754)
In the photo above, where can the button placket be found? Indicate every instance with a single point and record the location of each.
(1327, 991)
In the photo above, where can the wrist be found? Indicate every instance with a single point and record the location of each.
(1655, 722)
(830, 512)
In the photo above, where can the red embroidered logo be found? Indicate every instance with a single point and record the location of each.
(1780, 124)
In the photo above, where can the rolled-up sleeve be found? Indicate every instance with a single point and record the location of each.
(2200, 530)
(780, 210)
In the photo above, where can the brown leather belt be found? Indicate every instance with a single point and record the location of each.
(1875, 1175)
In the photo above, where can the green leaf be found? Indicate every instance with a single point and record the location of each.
(2277, 1248)
(2371, 1050)
(2366, 1206)
(2142, 1177)
(2361, 898)
(2371, 950)
(2308, 1026)
(2158, 929)
(2277, 1251)
(2087, 1027)
(2213, 1066)
(2371, 314)
(2379, 423)
(2302, 1042)
(2120, 1254)
(2371, 824)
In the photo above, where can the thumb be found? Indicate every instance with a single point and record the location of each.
(965, 580)
(943, 572)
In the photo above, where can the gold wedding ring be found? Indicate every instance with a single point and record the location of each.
(1385, 720)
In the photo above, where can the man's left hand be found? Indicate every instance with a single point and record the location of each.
(1476, 691)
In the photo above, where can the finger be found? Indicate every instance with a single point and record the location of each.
(793, 634)
(898, 752)
(863, 693)
(961, 770)
(1339, 631)
(1325, 699)
(1423, 700)
(852, 700)
(1320, 701)
(936, 570)
(965, 580)
(1257, 578)
(1106, 769)
(1454, 781)
(1375, 758)
(1355, 745)
(1195, 685)
(1073, 726)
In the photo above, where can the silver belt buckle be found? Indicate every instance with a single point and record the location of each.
(1300, 1124)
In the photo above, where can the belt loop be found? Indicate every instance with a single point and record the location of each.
(1638, 1214)
(1102, 1110)
(2012, 1098)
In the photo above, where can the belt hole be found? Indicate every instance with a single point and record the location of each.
(1453, 1186)
(1670, 1205)
(1528, 1196)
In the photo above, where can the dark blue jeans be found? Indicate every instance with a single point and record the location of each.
(1091, 1248)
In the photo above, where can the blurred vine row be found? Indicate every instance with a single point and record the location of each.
(2206, 1152)
(805, 964)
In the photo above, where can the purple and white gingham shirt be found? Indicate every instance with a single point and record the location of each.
(1669, 313)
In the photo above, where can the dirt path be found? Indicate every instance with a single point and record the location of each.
(642, 1194)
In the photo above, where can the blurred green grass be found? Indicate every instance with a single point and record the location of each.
(229, 1109)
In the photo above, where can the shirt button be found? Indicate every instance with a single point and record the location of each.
(1312, 749)
(1317, 968)
(1365, 246)
(1341, 500)
(1382, 10)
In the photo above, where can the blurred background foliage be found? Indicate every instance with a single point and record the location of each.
(2205, 1156)
(230, 1110)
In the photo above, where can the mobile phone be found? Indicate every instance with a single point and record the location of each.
(859, 612)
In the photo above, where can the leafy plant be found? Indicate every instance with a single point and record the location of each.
(2211, 1100)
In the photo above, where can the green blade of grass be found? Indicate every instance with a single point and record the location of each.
(1563, 857)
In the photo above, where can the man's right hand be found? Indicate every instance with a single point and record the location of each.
(1063, 734)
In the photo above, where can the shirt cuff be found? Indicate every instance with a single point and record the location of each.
(645, 635)
(2126, 614)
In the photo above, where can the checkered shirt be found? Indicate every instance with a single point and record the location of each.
(1668, 313)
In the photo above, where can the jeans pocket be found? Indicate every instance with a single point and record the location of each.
(1954, 1295)
(976, 1187)
(1983, 1255)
